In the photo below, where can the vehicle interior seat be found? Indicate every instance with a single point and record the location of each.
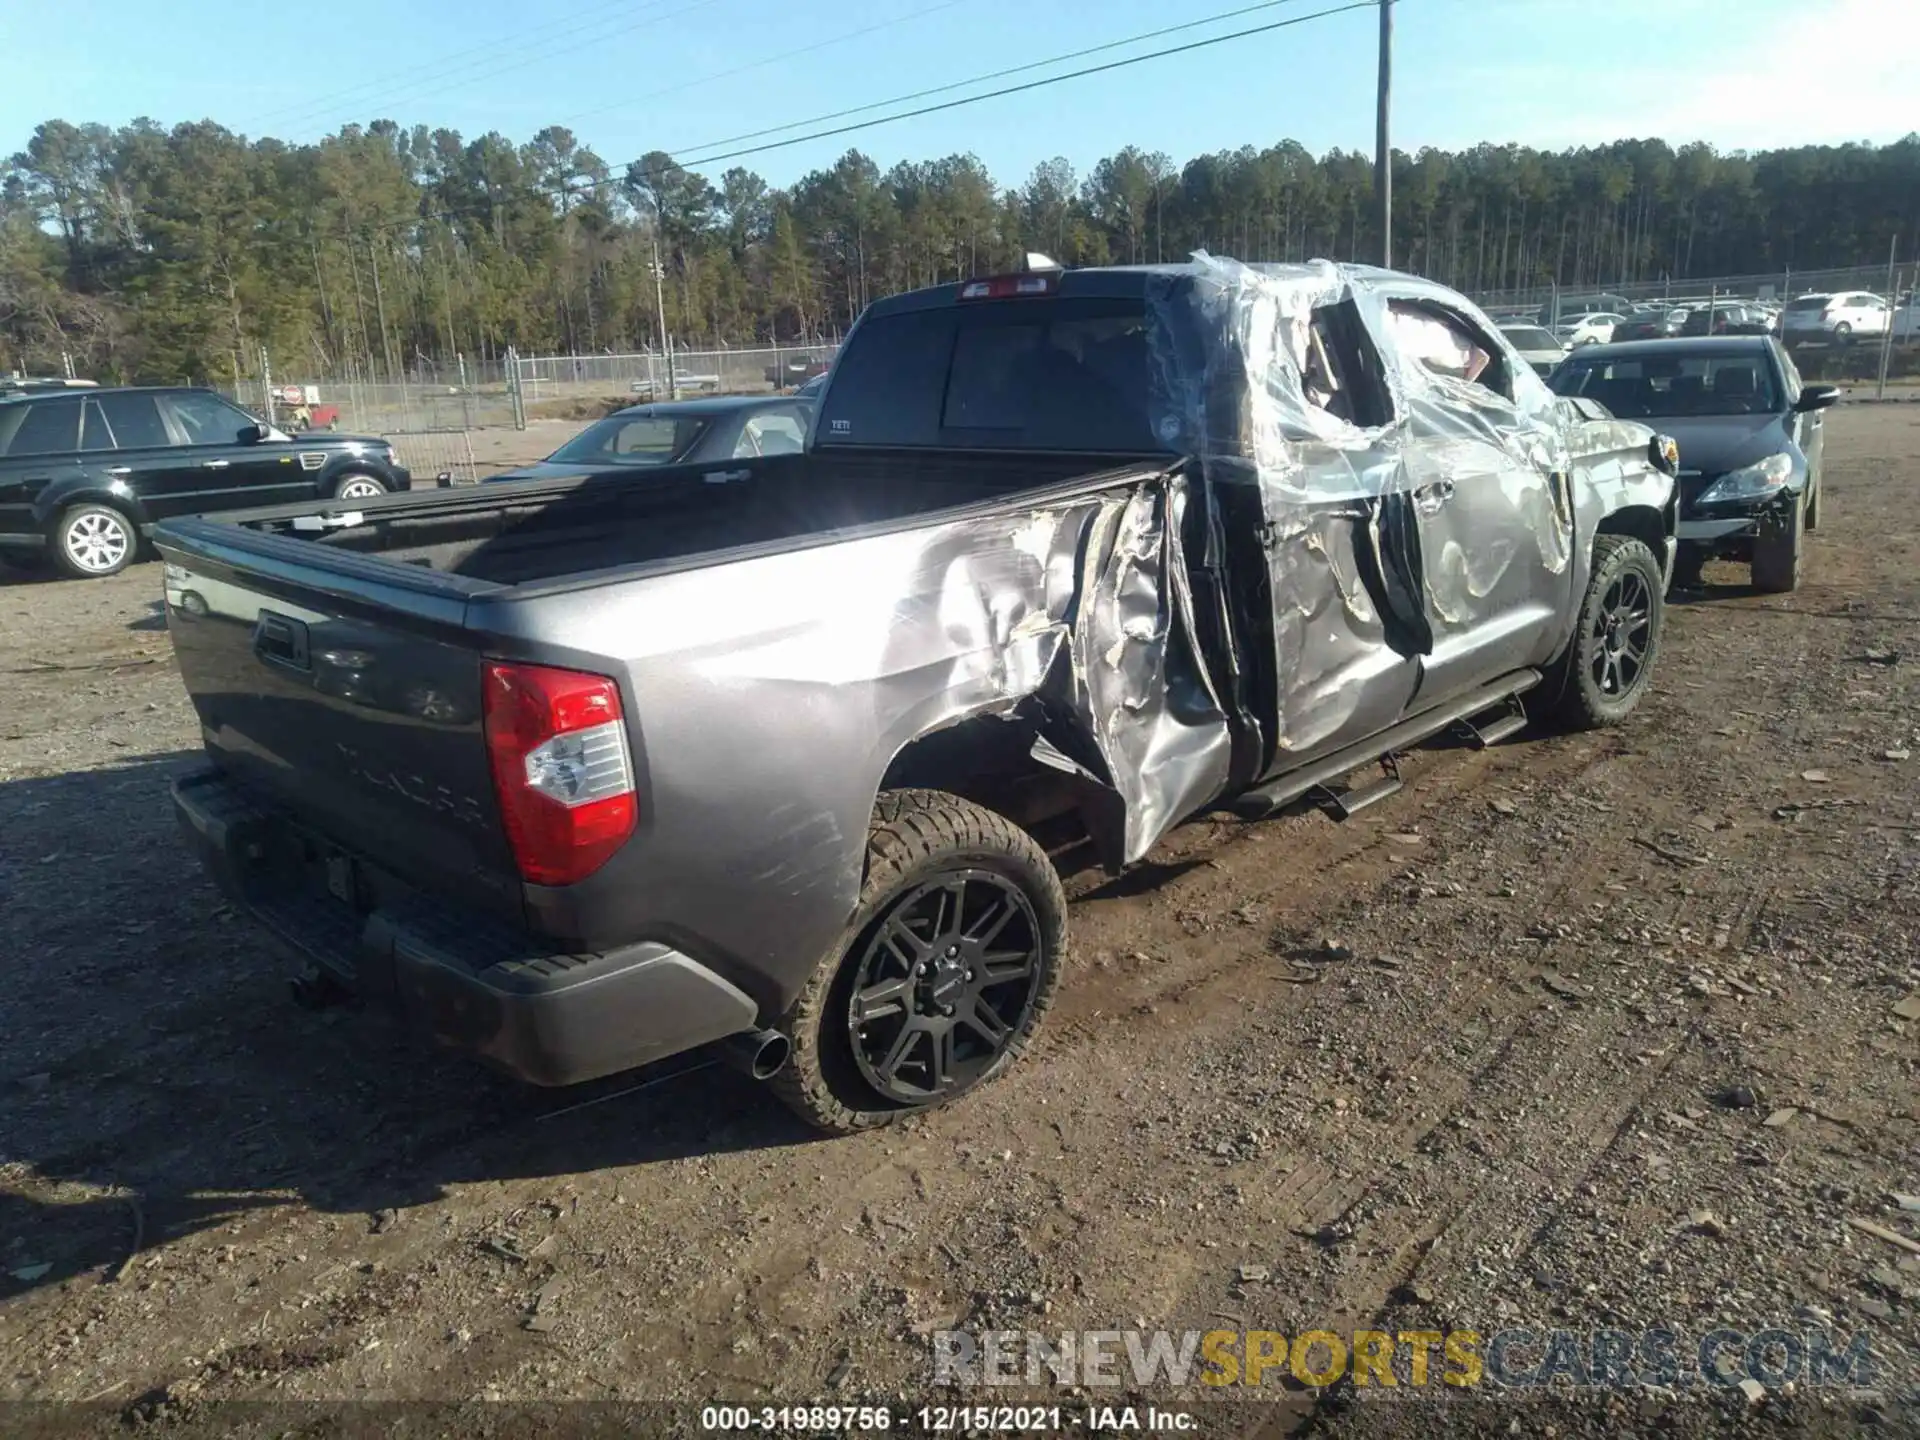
(1624, 396)
(1689, 394)
(1737, 385)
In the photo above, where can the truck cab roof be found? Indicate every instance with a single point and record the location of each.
(1099, 361)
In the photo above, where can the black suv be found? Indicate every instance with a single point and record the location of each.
(84, 474)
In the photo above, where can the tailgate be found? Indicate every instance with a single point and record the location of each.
(349, 699)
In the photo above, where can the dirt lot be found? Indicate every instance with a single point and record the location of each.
(1577, 1033)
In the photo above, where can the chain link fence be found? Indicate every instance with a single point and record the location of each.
(1776, 286)
(1892, 354)
(432, 410)
(438, 399)
(562, 386)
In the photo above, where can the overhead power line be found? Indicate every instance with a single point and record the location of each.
(1190, 46)
(521, 59)
(992, 75)
(571, 24)
(782, 58)
(638, 165)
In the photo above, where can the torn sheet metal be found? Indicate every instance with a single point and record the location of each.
(1411, 514)
(1086, 607)
(1136, 678)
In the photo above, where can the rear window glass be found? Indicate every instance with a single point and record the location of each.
(1039, 375)
(48, 427)
(1808, 302)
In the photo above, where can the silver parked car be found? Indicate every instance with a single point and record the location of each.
(1537, 345)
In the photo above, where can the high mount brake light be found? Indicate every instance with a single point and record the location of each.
(557, 743)
(1006, 287)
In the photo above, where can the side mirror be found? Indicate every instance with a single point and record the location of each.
(254, 434)
(1817, 397)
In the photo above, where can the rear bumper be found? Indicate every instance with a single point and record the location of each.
(462, 978)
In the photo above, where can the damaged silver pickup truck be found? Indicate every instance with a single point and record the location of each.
(577, 774)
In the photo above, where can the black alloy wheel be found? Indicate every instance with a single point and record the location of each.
(945, 983)
(1623, 633)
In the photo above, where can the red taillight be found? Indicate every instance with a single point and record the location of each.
(558, 746)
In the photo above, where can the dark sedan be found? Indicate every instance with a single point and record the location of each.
(1728, 318)
(1749, 435)
(683, 432)
(1659, 324)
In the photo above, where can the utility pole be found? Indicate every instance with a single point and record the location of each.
(1893, 310)
(1383, 144)
(660, 304)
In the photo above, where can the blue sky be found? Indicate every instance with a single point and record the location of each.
(630, 76)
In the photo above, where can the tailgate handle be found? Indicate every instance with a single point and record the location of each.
(282, 640)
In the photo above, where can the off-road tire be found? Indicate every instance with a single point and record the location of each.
(914, 836)
(66, 544)
(1779, 550)
(1582, 703)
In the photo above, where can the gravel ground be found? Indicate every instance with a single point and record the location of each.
(1604, 1032)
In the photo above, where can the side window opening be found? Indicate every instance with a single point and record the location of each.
(1342, 373)
(1446, 345)
(134, 417)
(207, 419)
(775, 433)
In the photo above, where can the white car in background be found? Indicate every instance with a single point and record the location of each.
(1591, 329)
(1906, 322)
(1537, 345)
(1834, 319)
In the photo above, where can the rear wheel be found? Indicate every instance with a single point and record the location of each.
(940, 980)
(91, 542)
(1778, 548)
(1611, 655)
(1843, 333)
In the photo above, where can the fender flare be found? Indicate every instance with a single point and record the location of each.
(61, 496)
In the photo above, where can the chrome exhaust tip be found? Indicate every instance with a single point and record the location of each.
(760, 1053)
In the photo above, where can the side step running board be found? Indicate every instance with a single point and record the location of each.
(1495, 725)
(1345, 804)
(1277, 794)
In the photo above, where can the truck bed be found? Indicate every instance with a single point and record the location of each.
(524, 533)
(334, 650)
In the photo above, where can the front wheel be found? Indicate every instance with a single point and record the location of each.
(941, 978)
(1617, 637)
(92, 542)
(358, 487)
(1778, 549)
(1813, 505)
